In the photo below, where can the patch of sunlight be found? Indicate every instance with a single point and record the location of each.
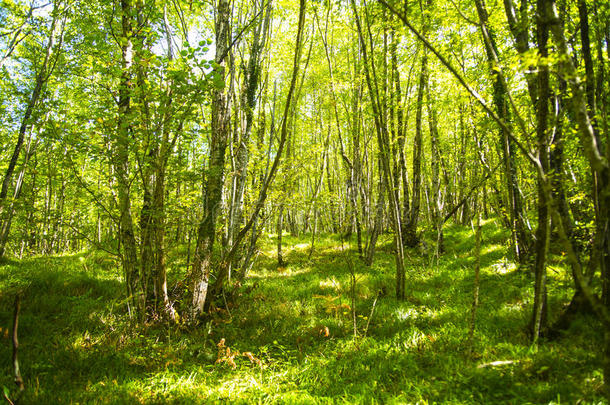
(490, 248)
(498, 363)
(301, 246)
(430, 314)
(503, 266)
(330, 283)
(406, 314)
(414, 340)
(233, 388)
(86, 341)
(488, 221)
(289, 271)
(338, 248)
(269, 252)
(171, 382)
(238, 385)
(513, 307)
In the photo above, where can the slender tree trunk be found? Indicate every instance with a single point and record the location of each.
(121, 148)
(378, 224)
(578, 304)
(411, 238)
(5, 227)
(521, 239)
(518, 23)
(223, 266)
(280, 231)
(539, 318)
(435, 162)
(477, 271)
(463, 214)
(383, 141)
(248, 103)
(598, 162)
(221, 117)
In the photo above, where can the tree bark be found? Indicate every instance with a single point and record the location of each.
(384, 146)
(250, 86)
(521, 238)
(121, 148)
(411, 238)
(435, 162)
(539, 318)
(220, 122)
(223, 266)
(598, 163)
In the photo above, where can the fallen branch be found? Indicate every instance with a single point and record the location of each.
(497, 363)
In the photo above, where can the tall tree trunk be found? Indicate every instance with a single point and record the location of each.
(398, 129)
(411, 238)
(121, 147)
(160, 147)
(250, 86)
(462, 215)
(518, 23)
(521, 238)
(383, 141)
(5, 227)
(220, 121)
(223, 266)
(435, 163)
(539, 318)
(378, 224)
(598, 162)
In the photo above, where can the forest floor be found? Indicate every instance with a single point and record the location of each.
(289, 338)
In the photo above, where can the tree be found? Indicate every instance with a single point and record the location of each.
(220, 121)
(47, 64)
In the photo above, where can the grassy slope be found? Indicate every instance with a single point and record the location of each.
(76, 346)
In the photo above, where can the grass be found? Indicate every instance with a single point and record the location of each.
(289, 337)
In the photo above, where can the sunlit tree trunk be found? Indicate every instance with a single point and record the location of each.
(521, 238)
(121, 148)
(436, 200)
(383, 141)
(223, 266)
(411, 237)
(539, 318)
(220, 121)
(250, 85)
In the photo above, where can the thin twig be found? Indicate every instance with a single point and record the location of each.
(224, 297)
(16, 371)
(368, 321)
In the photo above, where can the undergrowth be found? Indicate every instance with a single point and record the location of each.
(288, 337)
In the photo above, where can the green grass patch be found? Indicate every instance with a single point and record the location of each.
(289, 337)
